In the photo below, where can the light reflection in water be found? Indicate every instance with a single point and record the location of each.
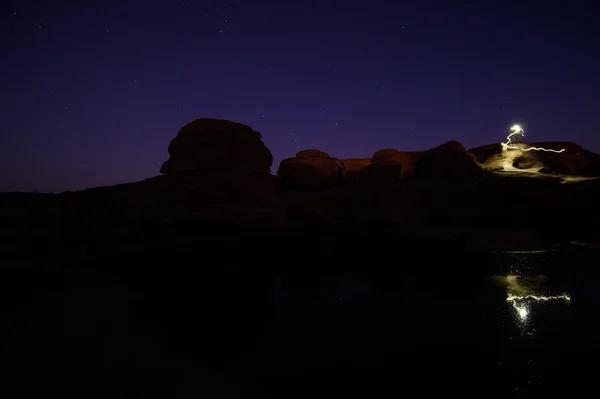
(522, 304)
(524, 293)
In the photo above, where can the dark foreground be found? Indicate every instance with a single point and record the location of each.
(181, 311)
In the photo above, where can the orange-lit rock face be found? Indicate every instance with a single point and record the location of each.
(383, 158)
(394, 157)
(353, 167)
(311, 170)
(483, 153)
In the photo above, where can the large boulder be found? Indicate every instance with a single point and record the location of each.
(354, 167)
(574, 160)
(484, 152)
(386, 166)
(218, 170)
(449, 160)
(312, 154)
(202, 195)
(311, 170)
(527, 160)
(208, 144)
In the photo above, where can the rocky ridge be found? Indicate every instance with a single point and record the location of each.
(218, 173)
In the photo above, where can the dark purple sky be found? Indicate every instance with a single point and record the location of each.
(93, 91)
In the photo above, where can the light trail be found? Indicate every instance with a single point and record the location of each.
(516, 129)
(523, 310)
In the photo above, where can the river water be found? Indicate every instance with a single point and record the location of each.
(530, 328)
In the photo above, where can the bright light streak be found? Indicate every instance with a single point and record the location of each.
(523, 310)
(515, 130)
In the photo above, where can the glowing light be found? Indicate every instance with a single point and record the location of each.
(522, 310)
(518, 130)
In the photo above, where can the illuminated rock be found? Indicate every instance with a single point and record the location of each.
(573, 161)
(555, 157)
(386, 166)
(527, 160)
(354, 166)
(312, 154)
(483, 153)
(311, 170)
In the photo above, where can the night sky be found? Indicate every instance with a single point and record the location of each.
(92, 92)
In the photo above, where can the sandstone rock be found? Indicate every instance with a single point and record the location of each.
(312, 154)
(591, 156)
(571, 162)
(308, 206)
(311, 170)
(217, 170)
(451, 145)
(486, 151)
(386, 166)
(448, 160)
(591, 170)
(202, 195)
(354, 166)
(208, 144)
(388, 156)
(526, 161)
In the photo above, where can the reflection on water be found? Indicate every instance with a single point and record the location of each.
(526, 295)
(522, 304)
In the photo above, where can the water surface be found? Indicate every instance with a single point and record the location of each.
(531, 327)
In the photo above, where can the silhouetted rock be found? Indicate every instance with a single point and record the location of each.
(486, 151)
(570, 162)
(448, 160)
(591, 170)
(354, 166)
(217, 170)
(311, 170)
(312, 154)
(202, 195)
(208, 144)
(314, 207)
(386, 166)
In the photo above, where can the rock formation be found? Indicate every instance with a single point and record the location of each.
(448, 160)
(311, 170)
(483, 153)
(354, 167)
(208, 144)
(386, 166)
(575, 160)
(218, 170)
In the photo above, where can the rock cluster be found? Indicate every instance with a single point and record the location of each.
(386, 166)
(311, 170)
(575, 160)
(448, 160)
(219, 170)
(316, 170)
